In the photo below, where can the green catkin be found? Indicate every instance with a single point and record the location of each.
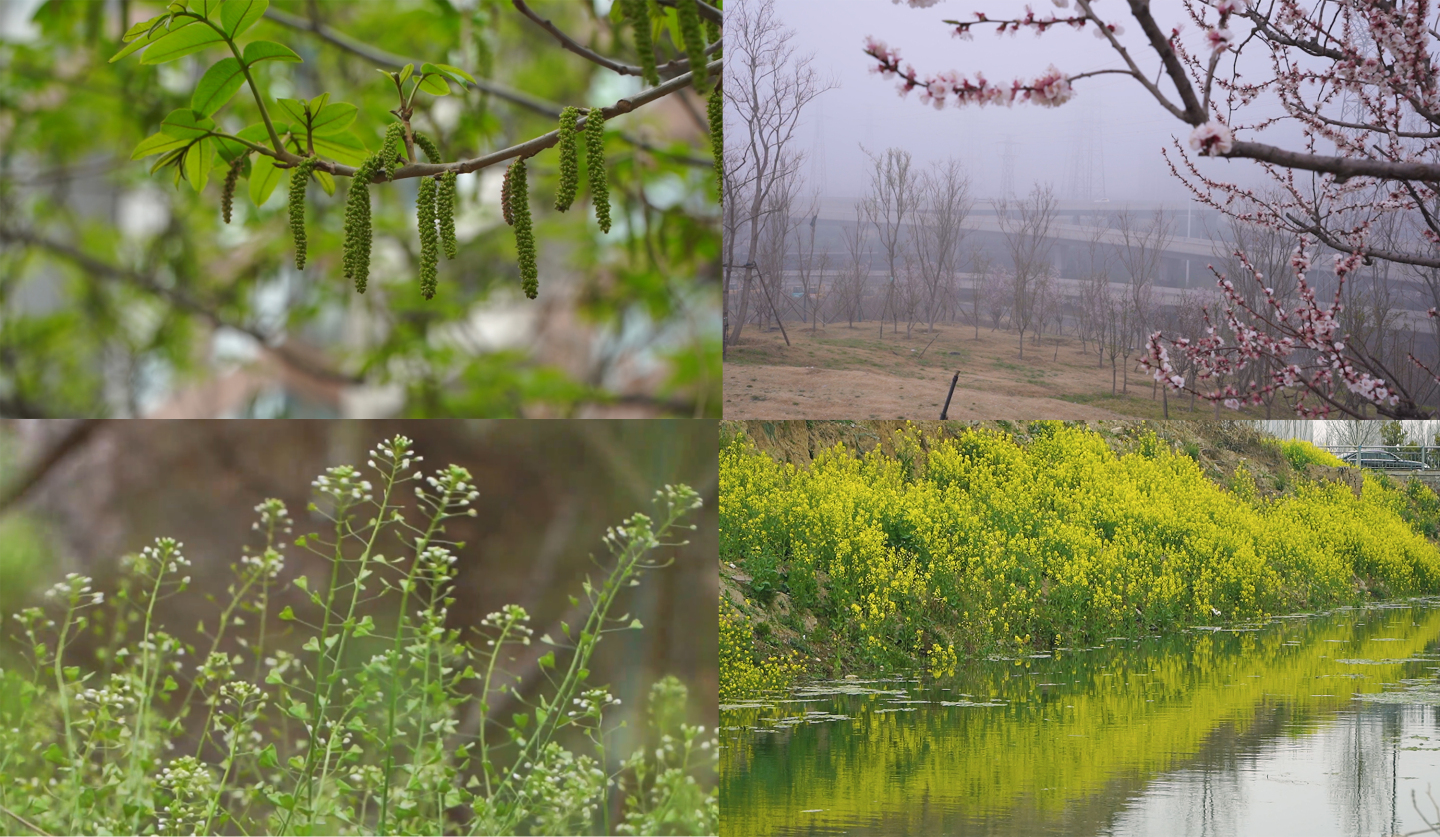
(357, 223)
(227, 196)
(390, 151)
(524, 236)
(637, 14)
(690, 33)
(569, 159)
(445, 213)
(299, 179)
(595, 162)
(429, 240)
(716, 109)
(432, 152)
(505, 197)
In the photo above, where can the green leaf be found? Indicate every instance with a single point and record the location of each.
(269, 758)
(170, 684)
(87, 798)
(406, 71)
(295, 109)
(186, 124)
(155, 34)
(217, 86)
(548, 661)
(257, 51)
(198, 161)
(455, 73)
(238, 15)
(288, 614)
(54, 754)
(344, 148)
(435, 85)
(205, 8)
(331, 119)
(180, 44)
(317, 104)
(366, 626)
(141, 28)
(296, 763)
(326, 181)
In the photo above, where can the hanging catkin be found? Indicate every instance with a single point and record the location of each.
(299, 178)
(227, 195)
(637, 14)
(505, 197)
(689, 15)
(524, 236)
(569, 159)
(429, 240)
(716, 109)
(595, 162)
(432, 153)
(445, 213)
(357, 222)
(390, 151)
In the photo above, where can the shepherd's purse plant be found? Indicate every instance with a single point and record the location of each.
(385, 724)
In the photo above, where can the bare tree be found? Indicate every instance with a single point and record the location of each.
(1141, 253)
(894, 191)
(980, 278)
(938, 231)
(774, 245)
(1026, 227)
(767, 86)
(811, 270)
(855, 274)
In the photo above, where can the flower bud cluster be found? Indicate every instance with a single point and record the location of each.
(694, 39)
(227, 194)
(595, 163)
(445, 213)
(637, 14)
(299, 179)
(524, 235)
(715, 109)
(343, 483)
(358, 234)
(429, 238)
(569, 159)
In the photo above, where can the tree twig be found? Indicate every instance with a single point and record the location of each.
(530, 147)
(175, 297)
(74, 437)
(389, 59)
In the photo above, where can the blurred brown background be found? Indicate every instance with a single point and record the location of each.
(100, 489)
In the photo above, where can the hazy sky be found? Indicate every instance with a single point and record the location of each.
(1129, 127)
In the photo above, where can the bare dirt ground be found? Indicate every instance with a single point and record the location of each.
(840, 372)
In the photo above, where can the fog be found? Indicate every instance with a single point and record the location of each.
(1111, 123)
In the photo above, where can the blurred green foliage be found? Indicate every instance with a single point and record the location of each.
(114, 283)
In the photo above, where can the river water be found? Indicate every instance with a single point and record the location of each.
(1307, 725)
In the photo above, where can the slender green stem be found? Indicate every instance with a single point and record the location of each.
(420, 546)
